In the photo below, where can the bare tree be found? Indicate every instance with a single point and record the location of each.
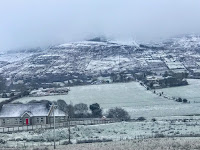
(62, 105)
(81, 108)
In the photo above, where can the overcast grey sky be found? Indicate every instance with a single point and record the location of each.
(32, 23)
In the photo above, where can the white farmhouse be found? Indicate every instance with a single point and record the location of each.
(29, 114)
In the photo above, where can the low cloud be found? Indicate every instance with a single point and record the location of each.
(33, 23)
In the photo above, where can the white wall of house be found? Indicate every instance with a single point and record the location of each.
(36, 120)
(39, 120)
(10, 121)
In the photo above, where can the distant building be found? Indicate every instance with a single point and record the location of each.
(155, 63)
(196, 73)
(154, 81)
(29, 114)
(154, 78)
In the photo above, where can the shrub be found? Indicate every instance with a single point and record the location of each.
(62, 105)
(159, 136)
(96, 110)
(25, 93)
(4, 95)
(185, 100)
(33, 101)
(141, 119)
(154, 119)
(46, 102)
(83, 115)
(2, 141)
(81, 108)
(70, 109)
(93, 141)
(118, 113)
(179, 99)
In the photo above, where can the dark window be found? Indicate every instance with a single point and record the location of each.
(38, 120)
(16, 121)
(62, 119)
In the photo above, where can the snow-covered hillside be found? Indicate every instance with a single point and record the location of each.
(189, 42)
(68, 61)
(80, 62)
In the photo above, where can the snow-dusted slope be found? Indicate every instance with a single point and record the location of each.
(79, 57)
(79, 61)
(189, 42)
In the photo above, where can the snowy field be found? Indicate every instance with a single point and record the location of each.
(147, 144)
(123, 131)
(3, 99)
(190, 92)
(131, 96)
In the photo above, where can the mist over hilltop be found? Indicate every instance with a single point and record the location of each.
(35, 23)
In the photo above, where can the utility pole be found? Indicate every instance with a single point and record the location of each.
(54, 132)
(69, 116)
(69, 132)
(53, 106)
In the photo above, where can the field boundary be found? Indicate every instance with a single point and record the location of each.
(71, 122)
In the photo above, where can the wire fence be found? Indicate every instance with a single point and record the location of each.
(71, 122)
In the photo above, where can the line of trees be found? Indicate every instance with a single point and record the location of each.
(82, 110)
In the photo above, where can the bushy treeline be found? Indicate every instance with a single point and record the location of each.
(82, 110)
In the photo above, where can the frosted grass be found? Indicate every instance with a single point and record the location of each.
(131, 96)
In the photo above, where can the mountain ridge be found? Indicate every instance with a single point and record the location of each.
(81, 62)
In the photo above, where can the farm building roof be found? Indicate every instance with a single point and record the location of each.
(32, 109)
